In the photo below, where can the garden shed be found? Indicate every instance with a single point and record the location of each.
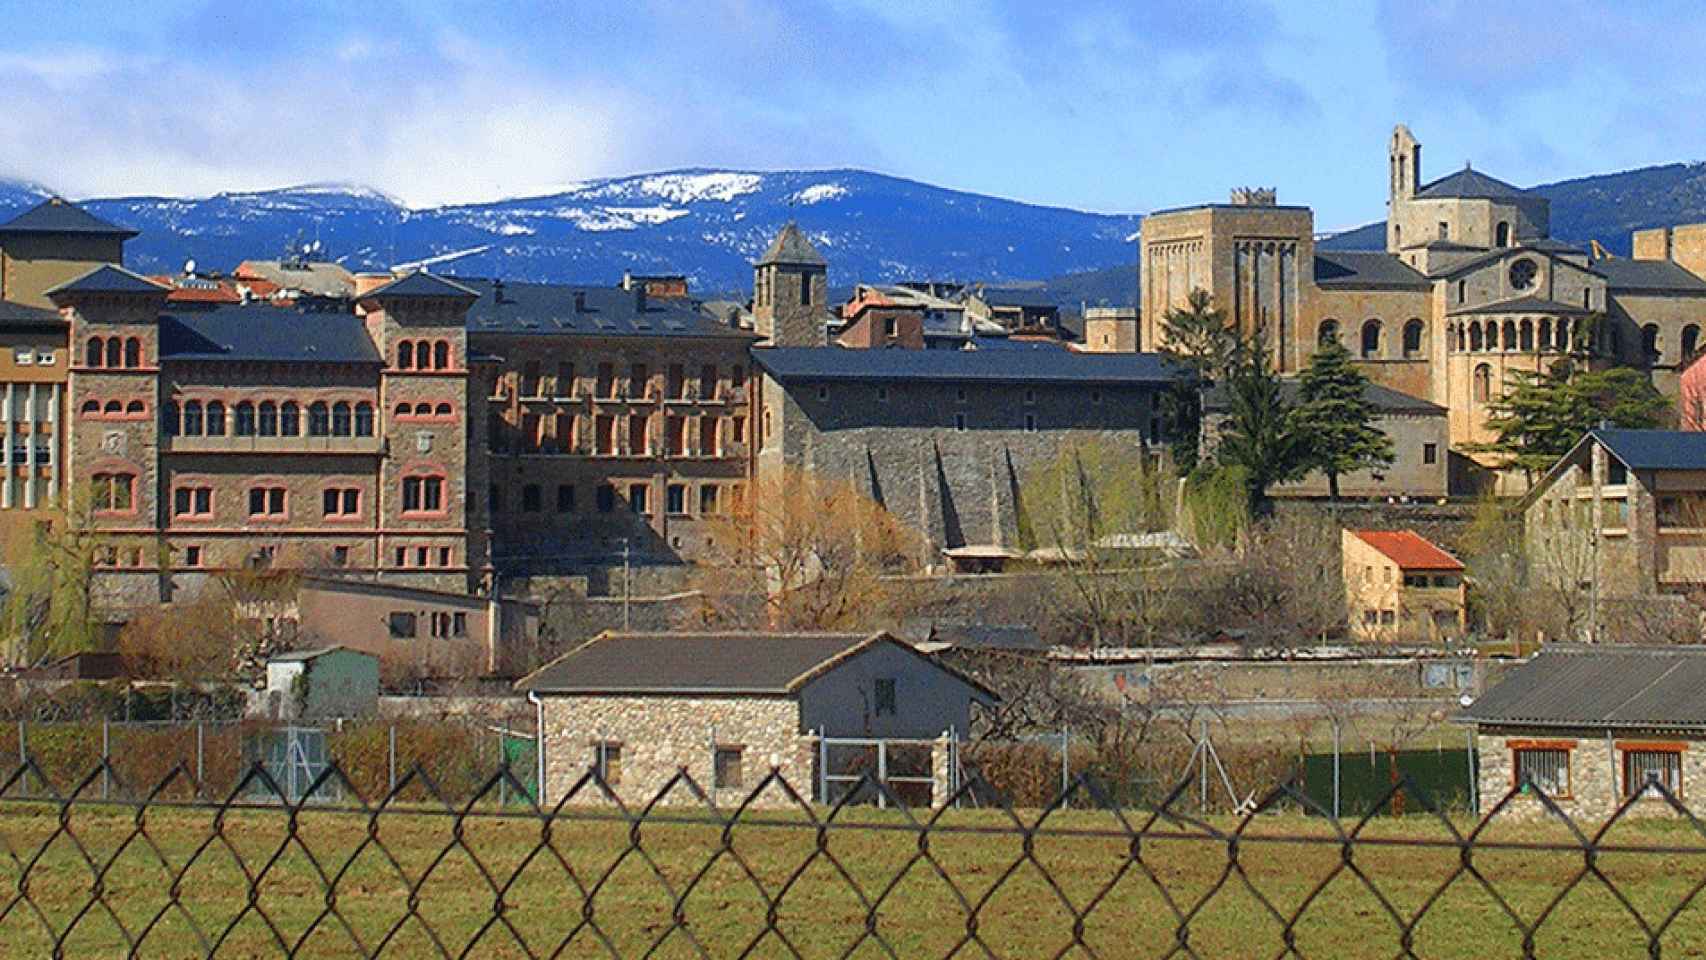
(322, 683)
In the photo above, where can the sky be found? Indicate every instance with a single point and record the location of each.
(1107, 105)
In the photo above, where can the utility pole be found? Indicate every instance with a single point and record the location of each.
(625, 555)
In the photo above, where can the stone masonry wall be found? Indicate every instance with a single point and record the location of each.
(660, 736)
(1596, 772)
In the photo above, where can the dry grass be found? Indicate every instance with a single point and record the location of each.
(548, 890)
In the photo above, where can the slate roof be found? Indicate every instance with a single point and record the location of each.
(1655, 449)
(59, 215)
(1527, 304)
(1335, 268)
(1016, 363)
(792, 247)
(1652, 688)
(757, 664)
(1016, 297)
(22, 316)
(266, 333)
(1662, 276)
(1470, 184)
(510, 307)
(421, 284)
(108, 278)
(1408, 549)
(1384, 399)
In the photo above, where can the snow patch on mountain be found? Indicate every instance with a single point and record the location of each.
(818, 193)
(698, 187)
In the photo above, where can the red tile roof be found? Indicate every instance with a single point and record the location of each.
(1409, 550)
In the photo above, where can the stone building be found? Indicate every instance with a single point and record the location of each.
(612, 418)
(1594, 728)
(729, 708)
(1624, 511)
(1017, 310)
(790, 292)
(1111, 330)
(1469, 290)
(1400, 587)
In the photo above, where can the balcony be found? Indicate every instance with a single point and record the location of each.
(374, 446)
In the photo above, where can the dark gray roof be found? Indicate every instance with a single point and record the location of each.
(510, 307)
(792, 247)
(1016, 297)
(766, 664)
(1014, 363)
(1383, 399)
(1604, 686)
(1470, 185)
(421, 284)
(1337, 268)
(1656, 275)
(108, 278)
(266, 333)
(58, 215)
(988, 636)
(1528, 304)
(1655, 449)
(22, 316)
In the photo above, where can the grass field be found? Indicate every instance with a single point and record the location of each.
(1018, 914)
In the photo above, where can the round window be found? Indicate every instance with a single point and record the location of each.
(1523, 273)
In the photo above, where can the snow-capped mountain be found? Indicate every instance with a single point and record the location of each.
(707, 224)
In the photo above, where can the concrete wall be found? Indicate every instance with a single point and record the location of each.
(1596, 768)
(928, 701)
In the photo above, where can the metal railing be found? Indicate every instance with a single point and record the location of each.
(415, 874)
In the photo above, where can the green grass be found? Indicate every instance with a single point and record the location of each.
(820, 915)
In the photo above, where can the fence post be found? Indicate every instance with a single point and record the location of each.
(106, 758)
(882, 773)
(391, 760)
(23, 748)
(503, 770)
(1065, 763)
(1335, 768)
(1202, 769)
(1474, 781)
(200, 745)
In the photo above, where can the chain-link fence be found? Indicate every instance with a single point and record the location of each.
(413, 872)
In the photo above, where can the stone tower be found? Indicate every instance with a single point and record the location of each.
(790, 291)
(1404, 162)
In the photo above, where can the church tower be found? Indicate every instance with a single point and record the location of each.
(790, 291)
(1404, 162)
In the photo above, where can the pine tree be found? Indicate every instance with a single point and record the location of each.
(1542, 415)
(1198, 338)
(1335, 419)
(1257, 434)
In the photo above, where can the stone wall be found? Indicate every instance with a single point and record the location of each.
(1596, 771)
(660, 736)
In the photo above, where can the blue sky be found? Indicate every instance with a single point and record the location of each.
(1114, 105)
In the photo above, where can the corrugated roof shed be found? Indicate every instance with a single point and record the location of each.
(59, 215)
(1408, 549)
(266, 333)
(1016, 363)
(1650, 688)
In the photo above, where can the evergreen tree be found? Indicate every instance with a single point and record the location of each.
(1257, 435)
(1199, 338)
(1335, 419)
(1542, 415)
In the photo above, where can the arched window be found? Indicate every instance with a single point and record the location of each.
(319, 419)
(404, 410)
(192, 418)
(269, 419)
(1510, 335)
(113, 408)
(1502, 235)
(1545, 333)
(114, 352)
(442, 410)
(406, 355)
(1650, 342)
(169, 418)
(1398, 236)
(341, 419)
(1690, 341)
(133, 352)
(1476, 344)
(364, 419)
(1413, 339)
(95, 352)
(441, 355)
(1371, 339)
(289, 419)
(1525, 336)
(135, 408)
(1327, 333)
(91, 407)
(1483, 383)
(216, 419)
(423, 355)
(1462, 290)
(423, 409)
(245, 420)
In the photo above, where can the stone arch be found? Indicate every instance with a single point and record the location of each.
(1371, 339)
(1545, 333)
(1502, 234)
(1327, 333)
(1414, 332)
(1483, 383)
(1690, 341)
(1525, 335)
(1650, 342)
(1476, 343)
(1509, 335)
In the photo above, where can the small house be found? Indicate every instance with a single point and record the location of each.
(728, 707)
(1593, 727)
(1400, 586)
(322, 683)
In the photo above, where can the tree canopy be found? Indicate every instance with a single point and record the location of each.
(1334, 418)
(1542, 415)
(1257, 434)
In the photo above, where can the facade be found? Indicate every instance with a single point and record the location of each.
(729, 708)
(612, 420)
(1624, 511)
(1111, 330)
(1399, 587)
(790, 292)
(423, 633)
(1016, 310)
(1595, 729)
(1469, 290)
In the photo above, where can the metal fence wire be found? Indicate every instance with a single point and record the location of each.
(175, 873)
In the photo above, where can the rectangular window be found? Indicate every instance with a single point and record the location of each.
(677, 381)
(604, 433)
(1388, 618)
(266, 501)
(1430, 453)
(1643, 770)
(531, 498)
(401, 557)
(708, 446)
(340, 556)
(426, 495)
(637, 498)
(192, 556)
(883, 696)
(639, 435)
(565, 379)
(606, 498)
(340, 501)
(1547, 768)
(708, 382)
(675, 499)
(727, 772)
(459, 624)
(23, 357)
(192, 501)
(708, 500)
(420, 556)
(737, 430)
(402, 625)
(606, 385)
(675, 436)
(638, 380)
(960, 422)
(565, 498)
(1030, 423)
(530, 379)
(607, 762)
(823, 393)
(440, 625)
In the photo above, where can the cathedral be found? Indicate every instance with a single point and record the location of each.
(1470, 289)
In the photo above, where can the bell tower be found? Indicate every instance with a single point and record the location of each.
(1404, 170)
(790, 291)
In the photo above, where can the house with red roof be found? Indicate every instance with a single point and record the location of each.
(1400, 586)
